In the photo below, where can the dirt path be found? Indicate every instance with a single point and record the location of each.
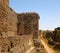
(49, 50)
(31, 50)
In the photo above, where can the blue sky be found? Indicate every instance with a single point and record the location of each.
(48, 10)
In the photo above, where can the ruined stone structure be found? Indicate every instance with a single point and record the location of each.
(3, 18)
(28, 24)
(13, 25)
(17, 44)
(7, 16)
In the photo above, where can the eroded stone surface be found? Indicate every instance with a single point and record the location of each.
(16, 30)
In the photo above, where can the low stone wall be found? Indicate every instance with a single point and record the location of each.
(17, 44)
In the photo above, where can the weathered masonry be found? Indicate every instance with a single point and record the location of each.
(8, 20)
(28, 24)
(16, 30)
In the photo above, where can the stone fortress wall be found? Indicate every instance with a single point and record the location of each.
(16, 30)
(8, 20)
